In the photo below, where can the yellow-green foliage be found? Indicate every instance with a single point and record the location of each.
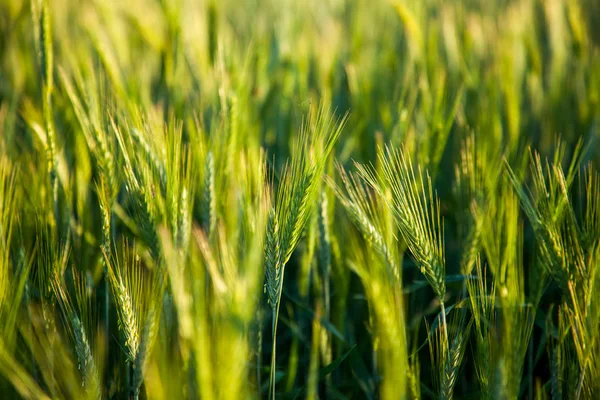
(242, 199)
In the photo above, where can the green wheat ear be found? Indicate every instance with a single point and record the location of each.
(454, 360)
(128, 320)
(272, 262)
(361, 207)
(90, 378)
(128, 286)
(416, 211)
(294, 203)
(296, 196)
(42, 21)
(208, 202)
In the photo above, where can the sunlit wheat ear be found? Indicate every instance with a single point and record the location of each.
(416, 211)
(151, 156)
(146, 196)
(98, 139)
(105, 211)
(208, 202)
(296, 196)
(453, 362)
(552, 217)
(90, 378)
(178, 186)
(476, 178)
(87, 365)
(42, 20)
(123, 287)
(272, 262)
(184, 218)
(138, 291)
(591, 224)
(447, 352)
(361, 209)
(7, 218)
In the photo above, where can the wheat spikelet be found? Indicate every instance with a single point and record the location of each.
(452, 365)
(184, 228)
(146, 224)
(105, 211)
(297, 214)
(151, 157)
(126, 311)
(208, 202)
(272, 261)
(107, 164)
(90, 379)
(473, 245)
(46, 59)
(127, 321)
(324, 236)
(86, 364)
(361, 210)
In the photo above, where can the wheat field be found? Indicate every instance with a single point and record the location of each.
(320, 199)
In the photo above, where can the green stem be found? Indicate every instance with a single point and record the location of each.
(445, 324)
(273, 354)
(259, 349)
(580, 384)
(128, 387)
(274, 328)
